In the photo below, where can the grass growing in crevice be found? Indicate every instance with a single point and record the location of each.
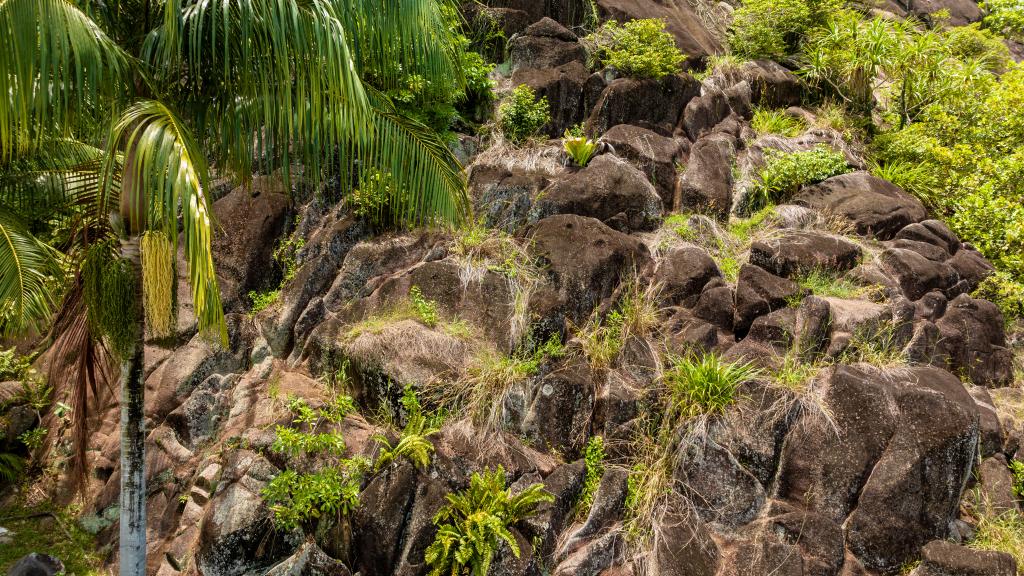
(875, 345)
(480, 394)
(693, 391)
(776, 121)
(636, 314)
(416, 307)
(1001, 533)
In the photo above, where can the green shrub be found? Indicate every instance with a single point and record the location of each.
(1005, 292)
(785, 172)
(426, 310)
(13, 366)
(1005, 17)
(705, 384)
(638, 48)
(774, 121)
(522, 115)
(593, 457)
(1017, 469)
(296, 498)
(377, 199)
(773, 28)
(476, 521)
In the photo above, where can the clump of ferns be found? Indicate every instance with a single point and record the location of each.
(414, 442)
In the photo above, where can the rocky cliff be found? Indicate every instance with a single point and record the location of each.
(879, 422)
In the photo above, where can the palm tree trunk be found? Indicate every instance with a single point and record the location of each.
(133, 434)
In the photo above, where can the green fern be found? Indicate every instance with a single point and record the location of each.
(413, 445)
(476, 521)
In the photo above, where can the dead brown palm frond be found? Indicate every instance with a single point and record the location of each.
(79, 364)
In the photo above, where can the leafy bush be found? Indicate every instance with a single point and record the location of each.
(774, 121)
(638, 48)
(426, 310)
(773, 28)
(13, 366)
(579, 148)
(377, 199)
(593, 457)
(1017, 469)
(522, 115)
(475, 522)
(1005, 292)
(785, 172)
(296, 498)
(705, 384)
(1005, 17)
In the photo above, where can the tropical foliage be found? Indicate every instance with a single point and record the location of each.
(476, 522)
(638, 48)
(522, 114)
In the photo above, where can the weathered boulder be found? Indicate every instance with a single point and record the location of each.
(932, 232)
(691, 35)
(608, 189)
(310, 560)
(249, 224)
(795, 252)
(912, 431)
(653, 154)
(716, 304)
(720, 489)
(916, 274)
(706, 185)
(237, 533)
(563, 87)
(971, 266)
(759, 292)
(559, 414)
(586, 260)
(942, 558)
(683, 273)
(771, 84)
(996, 486)
(648, 103)
(874, 206)
(705, 112)
(973, 341)
(960, 12)
(545, 44)
(380, 520)
(36, 564)
(503, 197)
(565, 484)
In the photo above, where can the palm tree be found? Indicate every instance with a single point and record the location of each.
(111, 111)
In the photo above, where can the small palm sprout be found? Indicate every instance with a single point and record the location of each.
(476, 521)
(579, 148)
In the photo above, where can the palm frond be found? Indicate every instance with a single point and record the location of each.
(429, 186)
(27, 270)
(55, 64)
(165, 170)
(267, 79)
(397, 39)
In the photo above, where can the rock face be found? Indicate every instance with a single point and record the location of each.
(857, 474)
(609, 190)
(652, 104)
(874, 206)
(880, 422)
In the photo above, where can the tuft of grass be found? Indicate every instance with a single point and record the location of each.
(636, 315)
(824, 283)
(1001, 533)
(680, 224)
(776, 121)
(917, 178)
(795, 374)
(705, 384)
(730, 267)
(875, 345)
